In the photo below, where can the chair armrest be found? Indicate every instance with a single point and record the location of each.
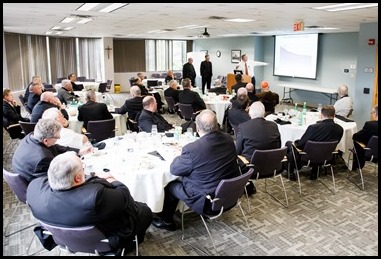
(361, 144)
(13, 125)
(243, 159)
(297, 149)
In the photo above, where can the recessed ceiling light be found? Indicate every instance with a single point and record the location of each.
(48, 32)
(87, 6)
(55, 28)
(239, 20)
(112, 7)
(68, 28)
(345, 7)
(85, 20)
(68, 20)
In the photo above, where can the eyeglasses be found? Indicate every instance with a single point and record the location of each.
(56, 137)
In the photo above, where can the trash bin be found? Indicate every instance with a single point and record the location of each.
(117, 88)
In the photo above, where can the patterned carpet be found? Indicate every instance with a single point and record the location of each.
(315, 223)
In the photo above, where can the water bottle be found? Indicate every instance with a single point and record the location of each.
(300, 119)
(304, 108)
(233, 93)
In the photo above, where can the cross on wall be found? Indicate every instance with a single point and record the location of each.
(108, 51)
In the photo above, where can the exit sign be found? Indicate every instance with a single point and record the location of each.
(299, 26)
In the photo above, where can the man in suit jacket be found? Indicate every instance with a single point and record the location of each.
(35, 79)
(65, 93)
(48, 100)
(92, 111)
(72, 77)
(188, 96)
(363, 136)
(206, 72)
(257, 133)
(98, 200)
(172, 91)
(132, 106)
(324, 130)
(34, 95)
(268, 98)
(202, 165)
(239, 83)
(238, 113)
(189, 71)
(37, 149)
(150, 116)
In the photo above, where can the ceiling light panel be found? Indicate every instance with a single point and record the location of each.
(87, 7)
(112, 7)
(345, 7)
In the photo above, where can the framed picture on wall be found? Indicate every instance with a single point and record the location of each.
(236, 56)
(204, 51)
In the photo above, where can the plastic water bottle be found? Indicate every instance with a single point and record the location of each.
(304, 111)
(300, 119)
(233, 93)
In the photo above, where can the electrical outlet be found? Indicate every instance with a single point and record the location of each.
(366, 90)
(352, 66)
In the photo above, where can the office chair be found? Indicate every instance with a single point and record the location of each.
(27, 127)
(101, 129)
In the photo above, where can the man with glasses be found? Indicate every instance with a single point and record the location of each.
(37, 149)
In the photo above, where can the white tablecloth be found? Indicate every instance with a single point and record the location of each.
(145, 175)
(218, 105)
(86, 86)
(293, 131)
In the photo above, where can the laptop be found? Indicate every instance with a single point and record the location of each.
(152, 83)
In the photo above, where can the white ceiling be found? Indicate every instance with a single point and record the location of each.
(140, 18)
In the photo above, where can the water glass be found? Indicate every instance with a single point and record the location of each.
(319, 107)
(154, 130)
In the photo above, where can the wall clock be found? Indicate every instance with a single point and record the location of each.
(218, 53)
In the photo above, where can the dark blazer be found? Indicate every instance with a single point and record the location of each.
(109, 206)
(33, 99)
(238, 85)
(253, 97)
(202, 165)
(206, 69)
(148, 118)
(256, 134)
(132, 106)
(76, 87)
(169, 79)
(42, 106)
(93, 111)
(172, 93)
(269, 100)
(237, 116)
(143, 90)
(370, 129)
(188, 96)
(11, 114)
(189, 72)
(325, 130)
(32, 159)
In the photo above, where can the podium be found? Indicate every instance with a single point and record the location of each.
(230, 81)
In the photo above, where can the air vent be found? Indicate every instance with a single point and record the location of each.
(217, 18)
(312, 27)
(169, 30)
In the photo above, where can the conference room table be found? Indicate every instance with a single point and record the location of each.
(293, 131)
(129, 160)
(217, 103)
(76, 125)
(86, 86)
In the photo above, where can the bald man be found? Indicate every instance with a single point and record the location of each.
(189, 71)
(202, 165)
(47, 100)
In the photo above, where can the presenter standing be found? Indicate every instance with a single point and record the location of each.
(206, 73)
(247, 67)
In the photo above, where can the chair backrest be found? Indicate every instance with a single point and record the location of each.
(27, 108)
(27, 127)
(372, 148)
(131, 80)
(186, 111)
(318, 152)
(268, 163)
(17, 183)
(102, 87)
(171, 103)
(89, 80)
(81, 78)
(350, 113)
(21, 98)
(178, 75)
(88, 239)
(101, 129)
(59, 80)
(49, 88)
(229, 191)
(15, 131)
(155, 75)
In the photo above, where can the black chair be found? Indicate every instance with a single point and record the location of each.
(101, 129)
(89, 80)
(102, 87)
(27, 127)
(186, 111)
(269, 164)
(171, 104)
(81, 78)
(18, 186)
(59, 80)
(319, 154)
(226, 197)
(49, 88)
(155, 75)
(108, 85)
(21, 98)
(87, 239)
(371, 156)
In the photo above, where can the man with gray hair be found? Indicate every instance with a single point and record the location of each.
(344, 104)
(92, 111)
(67, 197)
(48, 100)
(65, 93)
(37, 149)
(201, 165)
(68, 136)
(150, 116)
(133, 105)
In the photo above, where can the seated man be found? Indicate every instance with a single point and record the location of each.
(202, 165)
(35, 79)
(92, 111)
(37, 149)
(34, 96)
(268, 98)
(68, 136)
(324, 130)
(133, 105)
(150, 116)
(72, 77)
(238, 114)
(172, 91)
(65, 93)
(188, 96)
(344, 104)
(219, 88)
(170, 76)
(12, 114)
(251, 93)
(68, 198)
(239, 83)
(363, 136)
(48, 100)
(144, 91)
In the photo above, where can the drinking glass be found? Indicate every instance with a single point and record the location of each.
(154, 130)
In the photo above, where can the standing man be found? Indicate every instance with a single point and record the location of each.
(206, 72)
(247, 66)
(189, 72)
